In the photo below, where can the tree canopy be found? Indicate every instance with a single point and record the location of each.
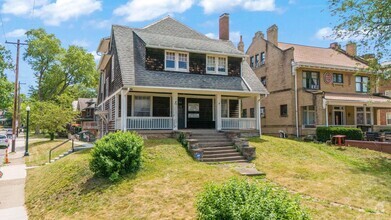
(6, 87)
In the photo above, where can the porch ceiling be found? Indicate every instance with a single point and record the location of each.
(357, 100)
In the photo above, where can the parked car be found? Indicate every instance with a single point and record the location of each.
(4, 142)
(9, 133)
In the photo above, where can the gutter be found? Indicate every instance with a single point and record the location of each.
(328, 66)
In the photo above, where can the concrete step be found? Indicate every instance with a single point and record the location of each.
(209, 134)
(218, 148)
(218, 155)
(232, 150)
(224, 159)
(214, 144)
(211, 139)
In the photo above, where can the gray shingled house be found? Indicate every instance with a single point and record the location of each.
(166, 76)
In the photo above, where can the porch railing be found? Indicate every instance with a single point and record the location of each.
(149, 123)
(238, 123)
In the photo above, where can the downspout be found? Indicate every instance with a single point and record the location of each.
(294, 66)
(260, 118)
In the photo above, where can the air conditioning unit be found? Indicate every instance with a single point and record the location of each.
(387, 93)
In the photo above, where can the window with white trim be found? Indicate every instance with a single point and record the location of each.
(363, 116)
(229, 108)
(309, 115)
(216, 65)
(361, 83)
(142, 106)
(388, 118)
(177, 61)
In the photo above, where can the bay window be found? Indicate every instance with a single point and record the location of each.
(216, 65)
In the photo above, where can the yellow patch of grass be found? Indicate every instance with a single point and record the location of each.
(361, 178)
(39, 151)
(165, 187)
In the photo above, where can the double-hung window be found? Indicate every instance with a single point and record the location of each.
(177, 61)
(263, 58)
(361, 83)
(311, 80)
(388, 118)
(309, 115)
(363, 116)
(216, 65)
(337, 78)
(257, 60)
(142, 106)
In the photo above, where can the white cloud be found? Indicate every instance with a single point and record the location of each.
(52, 13)
(80, 43)
(100, 24)
(324, 33)
(20, 7)
(143, 10)
(16, 33)
(212, 35)
(224, 5)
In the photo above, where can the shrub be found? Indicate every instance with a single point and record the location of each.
(323, 133)
(239, 199)
(117, 154)
(182, 139)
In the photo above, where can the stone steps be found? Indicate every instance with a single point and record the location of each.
(214, 144)
(221, 154)
(225, 159)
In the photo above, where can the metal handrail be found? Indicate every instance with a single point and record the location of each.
(50, 152)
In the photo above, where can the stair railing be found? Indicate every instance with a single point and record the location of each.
(51, 150)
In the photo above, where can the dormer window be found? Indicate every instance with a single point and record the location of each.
(216, 65)
(177, 61)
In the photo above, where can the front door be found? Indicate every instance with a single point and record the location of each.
(181, 112)
(200, 113)
(338, 118)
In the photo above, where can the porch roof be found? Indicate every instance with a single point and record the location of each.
(357, 100)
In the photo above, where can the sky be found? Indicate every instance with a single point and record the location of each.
(85, 22)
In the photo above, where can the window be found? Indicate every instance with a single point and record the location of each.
(263, 80)
(361, 84)
(112, 68)
(107, 87)
(387, 93)
(257, 63)
(244, 113)
(230, 108)
(252, 114)
(363, 116)
(252, 61)
(388, 118)
(216, 65)
(263, 112)
(311, 80)
(161, 106)
(308, 115)
(337, 78)
(142, 106)
(263, 58)
(177, 61)
(284, 110)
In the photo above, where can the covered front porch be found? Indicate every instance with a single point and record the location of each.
(175, 110)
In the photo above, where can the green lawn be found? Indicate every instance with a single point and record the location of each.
(167, 185)
(39, 151)
(356, 177)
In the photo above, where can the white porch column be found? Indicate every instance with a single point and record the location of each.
(218, 112)
(124, 108)
(174, 111)
(257, 100)
(327, 115)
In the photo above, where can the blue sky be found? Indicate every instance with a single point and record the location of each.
(85, 22)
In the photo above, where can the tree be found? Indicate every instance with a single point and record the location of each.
(366, 20)
(6, 87)
(57, 69)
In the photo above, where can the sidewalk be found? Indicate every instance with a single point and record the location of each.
(12, 185)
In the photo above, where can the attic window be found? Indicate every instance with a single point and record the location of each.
(216, 65)
(177, 61)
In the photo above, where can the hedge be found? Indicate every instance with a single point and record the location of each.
(324, 133)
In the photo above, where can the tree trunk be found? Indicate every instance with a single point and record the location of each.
(51, 136)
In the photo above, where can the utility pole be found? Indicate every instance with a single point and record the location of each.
(19, 103)
(14, 116)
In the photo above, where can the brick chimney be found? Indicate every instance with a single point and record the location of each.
(258, 34)
(351, 49)
(334, 45)
(224, 27)
(272, 34)
(241, 44)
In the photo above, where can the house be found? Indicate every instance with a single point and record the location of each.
(312, 86)
(167, 76)
(384, 116)
(86, 119)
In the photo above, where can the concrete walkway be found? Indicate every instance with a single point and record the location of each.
(12, 184)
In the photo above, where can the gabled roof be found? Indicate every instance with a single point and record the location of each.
(319, 55)
(169, 33)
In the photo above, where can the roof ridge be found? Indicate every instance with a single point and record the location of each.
(305, 45)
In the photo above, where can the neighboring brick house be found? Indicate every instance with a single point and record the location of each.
(311, 86)
(384, 116)
(167, 76)
(86, 119)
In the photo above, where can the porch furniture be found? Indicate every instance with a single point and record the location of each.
(387, 136)
(372, 136)
(338, 140)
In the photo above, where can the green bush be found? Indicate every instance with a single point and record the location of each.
(239, 199)
(117, 154)
(324, 133)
